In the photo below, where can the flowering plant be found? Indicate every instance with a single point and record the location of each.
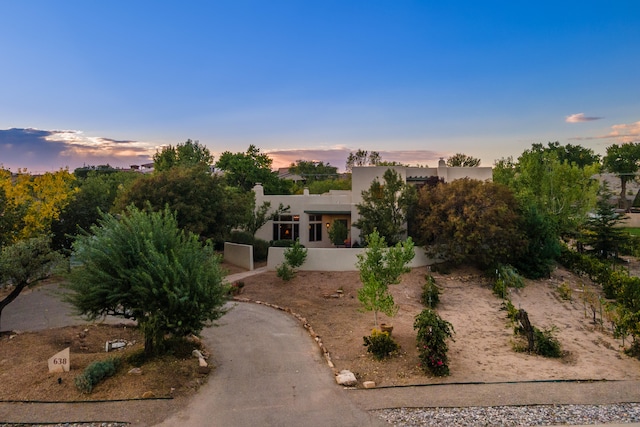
(431, 341)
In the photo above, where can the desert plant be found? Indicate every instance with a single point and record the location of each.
(430, 296)
(285, 272)
(546, 344)
(96, 372)
(565, 292)
(433, 332)
(380, 344)
(294, 257)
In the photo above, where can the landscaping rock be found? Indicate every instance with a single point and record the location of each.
(369, 384)
(346, 378)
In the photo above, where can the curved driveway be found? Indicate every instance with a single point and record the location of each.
(269, 372)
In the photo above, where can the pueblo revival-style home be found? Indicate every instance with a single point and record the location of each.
(311, 215)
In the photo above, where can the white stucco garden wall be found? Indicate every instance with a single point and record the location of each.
(336, 259)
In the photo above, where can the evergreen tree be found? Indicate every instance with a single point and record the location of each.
(603, 233)
(143, 267)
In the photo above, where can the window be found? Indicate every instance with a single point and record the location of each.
(315, 228)
(286, 227)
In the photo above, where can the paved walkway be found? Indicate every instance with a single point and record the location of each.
(269, 372)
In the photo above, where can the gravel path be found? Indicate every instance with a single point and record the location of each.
(542, 415)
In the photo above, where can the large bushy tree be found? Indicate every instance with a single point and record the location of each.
(312, 171)
(244, 170)
(385, 207)
(189, 154)
(142, 266)
(562, 191)
(96, 192)
(203, 203)
(362, 158)
(24, 263)
(38, 199)
(469, 221)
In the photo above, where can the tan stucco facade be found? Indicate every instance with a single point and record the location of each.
(306, 211)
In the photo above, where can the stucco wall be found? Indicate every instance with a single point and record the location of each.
(335, 259)
(240, 255)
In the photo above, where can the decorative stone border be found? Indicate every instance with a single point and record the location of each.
(302, 320)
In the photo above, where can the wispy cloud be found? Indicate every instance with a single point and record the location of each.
(628, 132)
(580, 118)
(43, 150)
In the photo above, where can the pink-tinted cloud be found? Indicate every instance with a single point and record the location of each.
(580, 118)
(628, 132)
(338, 156)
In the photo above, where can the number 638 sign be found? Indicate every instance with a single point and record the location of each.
(59, 362)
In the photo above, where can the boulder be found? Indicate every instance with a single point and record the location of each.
(346, 378)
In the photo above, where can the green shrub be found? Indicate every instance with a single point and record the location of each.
(96, 372)
(430, 296)
(545, 343)
(433, 332)
(241, 237)
(296, 255)
(285, 272)
(380, 344)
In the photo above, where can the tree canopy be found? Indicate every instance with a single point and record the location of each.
(362, 158)
(144, 267)
(312, 171)
(189, 154)
(203, 203)
(562, 191)
(244, 170)
(460, 159)
(469, 221)
(385, 207)
(35, 201)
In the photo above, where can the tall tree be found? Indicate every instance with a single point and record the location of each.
(96, 192)
(624, 161)
(312, 171)
(380, 267)
(189, 154)
(470, 221)
(203, 203)
(572, 154)
(559, 190)
(385, 207)
(244, 170)
(23, 264)
(362, 158)
(460, 159)
(602, 231)
(144, 267)
(39, 199)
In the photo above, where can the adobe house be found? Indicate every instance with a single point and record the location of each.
(311, 215)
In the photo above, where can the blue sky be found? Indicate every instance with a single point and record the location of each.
(84, 82)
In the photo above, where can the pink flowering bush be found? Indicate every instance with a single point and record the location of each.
(433, 332)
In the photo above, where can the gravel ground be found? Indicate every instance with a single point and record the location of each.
(542, 415)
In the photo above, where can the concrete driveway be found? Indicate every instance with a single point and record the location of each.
(269, 372)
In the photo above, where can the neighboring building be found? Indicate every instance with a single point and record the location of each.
(311, 215)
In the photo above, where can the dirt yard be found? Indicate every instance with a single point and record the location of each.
(482, 351)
